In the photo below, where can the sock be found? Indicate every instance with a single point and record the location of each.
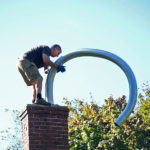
(39, 96)
(33, 101)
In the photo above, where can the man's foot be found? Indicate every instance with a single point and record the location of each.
(41, 102)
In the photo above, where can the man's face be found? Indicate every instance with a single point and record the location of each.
(56, 52)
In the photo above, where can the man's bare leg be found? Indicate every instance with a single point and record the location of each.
(34, 92)
(38, 87)
(38, 84)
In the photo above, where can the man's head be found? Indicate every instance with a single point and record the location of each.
(55, 50)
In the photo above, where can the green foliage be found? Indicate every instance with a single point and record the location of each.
(12, 136)
(92, 127)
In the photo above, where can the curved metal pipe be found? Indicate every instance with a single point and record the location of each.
(102, 54)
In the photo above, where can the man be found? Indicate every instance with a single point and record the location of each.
(29, 64)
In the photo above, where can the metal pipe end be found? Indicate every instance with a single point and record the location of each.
(117, 124)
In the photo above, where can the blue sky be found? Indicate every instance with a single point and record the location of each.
(118, 26)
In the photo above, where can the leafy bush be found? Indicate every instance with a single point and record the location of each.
(92, 127)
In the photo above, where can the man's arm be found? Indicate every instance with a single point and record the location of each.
(48, 62)
(45, 68)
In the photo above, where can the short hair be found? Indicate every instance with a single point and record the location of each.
(56, 46)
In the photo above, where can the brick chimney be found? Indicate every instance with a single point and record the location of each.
(44, 127)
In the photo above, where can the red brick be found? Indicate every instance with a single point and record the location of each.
(44, 127)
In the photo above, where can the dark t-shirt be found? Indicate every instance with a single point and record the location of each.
(35, 55)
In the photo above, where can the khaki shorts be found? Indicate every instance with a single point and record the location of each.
(28, 70)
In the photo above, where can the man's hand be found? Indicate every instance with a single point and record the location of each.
(61, 68)
(46, 71)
